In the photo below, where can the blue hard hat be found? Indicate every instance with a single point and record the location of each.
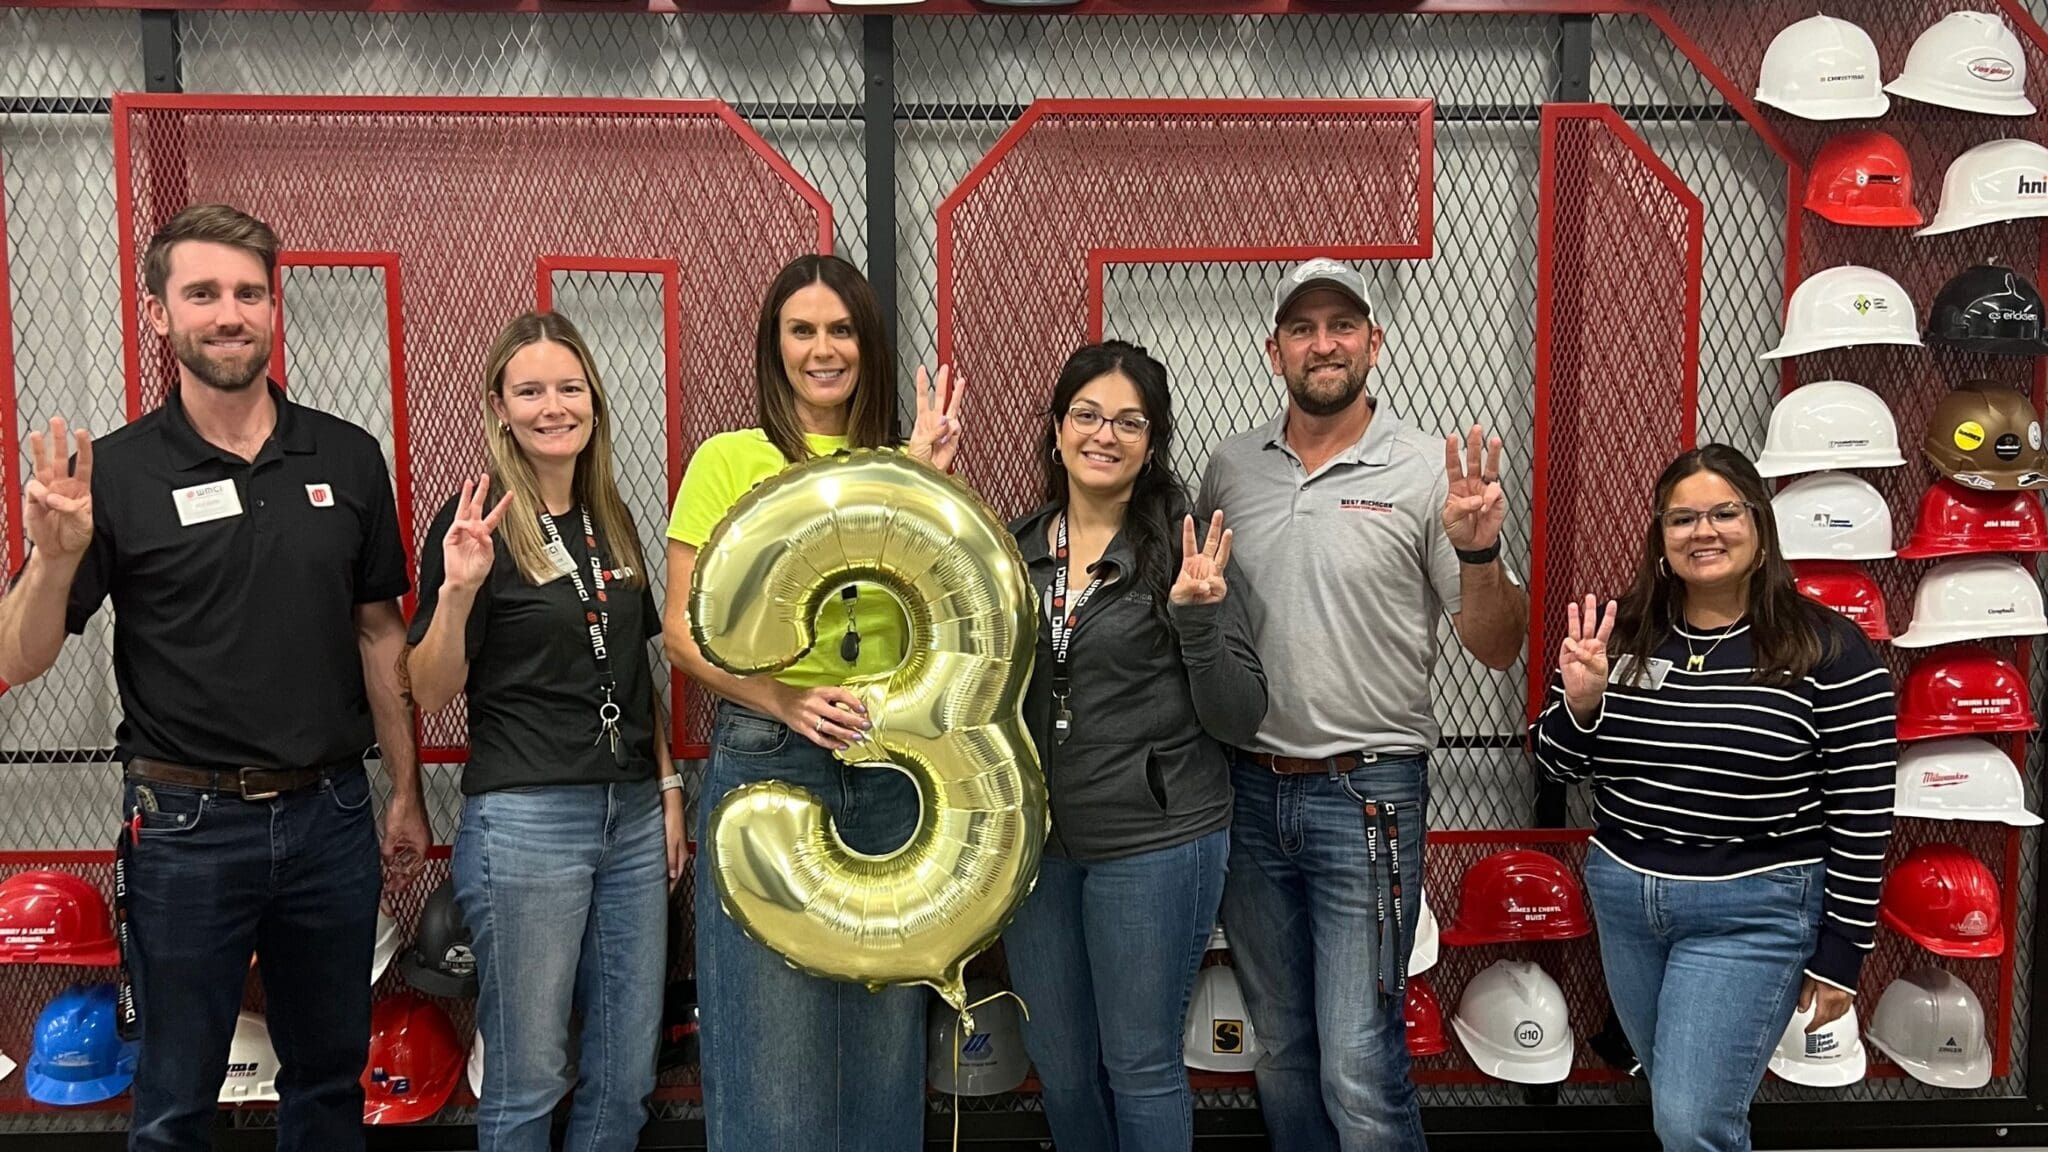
(78, 1056)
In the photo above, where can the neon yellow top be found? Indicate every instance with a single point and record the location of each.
(727, 467)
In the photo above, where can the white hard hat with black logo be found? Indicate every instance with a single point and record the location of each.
(1513, 1023)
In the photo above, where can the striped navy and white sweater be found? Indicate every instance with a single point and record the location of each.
(1711, 777)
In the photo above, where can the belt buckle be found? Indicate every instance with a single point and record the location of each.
(242, 782)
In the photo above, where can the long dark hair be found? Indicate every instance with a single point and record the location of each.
(874, 387)
(1158, 499)
(1788, 633)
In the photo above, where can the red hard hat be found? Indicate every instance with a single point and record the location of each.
(1425, 1019)
(1954, 520)
(415, 1061)
(1961, 691)
(1862, 178)
(1844, 586)
(1518, 895)
(54, 918)
(1947, 900)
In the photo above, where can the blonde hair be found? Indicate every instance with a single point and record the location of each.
(511, 472)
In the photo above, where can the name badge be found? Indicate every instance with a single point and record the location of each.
(558, 558)
(1653, 673)
(202, 503)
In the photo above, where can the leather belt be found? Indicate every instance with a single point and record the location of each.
(1321, 766)
(247, 783)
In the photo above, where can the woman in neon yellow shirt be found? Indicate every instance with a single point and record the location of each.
(792, 1061)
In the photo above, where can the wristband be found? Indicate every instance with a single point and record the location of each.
(673, 782)
(1486, 555)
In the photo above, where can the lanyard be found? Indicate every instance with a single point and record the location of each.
(600, 621)
(1063, 619)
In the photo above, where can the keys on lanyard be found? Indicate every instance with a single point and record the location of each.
(1063, 620)
(598, 619)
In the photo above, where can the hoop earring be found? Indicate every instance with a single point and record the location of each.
(1661, 569)
(504, 429)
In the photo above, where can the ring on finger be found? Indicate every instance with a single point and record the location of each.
(820, 727)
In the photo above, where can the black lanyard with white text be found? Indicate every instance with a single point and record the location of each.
(599, 621)
(1063, 619)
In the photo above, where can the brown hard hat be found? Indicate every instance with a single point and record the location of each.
(1988, 437)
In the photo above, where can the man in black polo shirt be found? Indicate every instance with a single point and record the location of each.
(251, 549)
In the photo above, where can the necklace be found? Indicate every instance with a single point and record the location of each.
(1698, 663)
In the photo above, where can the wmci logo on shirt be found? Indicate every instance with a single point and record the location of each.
(1365, 505)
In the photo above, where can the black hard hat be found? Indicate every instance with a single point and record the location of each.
(1988, 308)
(679, 1025)
(440, 962)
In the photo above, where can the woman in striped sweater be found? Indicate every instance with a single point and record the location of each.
(1741, 750)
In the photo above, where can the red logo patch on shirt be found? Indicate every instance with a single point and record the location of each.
(320, 495)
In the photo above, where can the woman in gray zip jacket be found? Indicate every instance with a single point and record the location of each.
(1145, 669)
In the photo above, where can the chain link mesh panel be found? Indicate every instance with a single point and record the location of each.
(1608, 204)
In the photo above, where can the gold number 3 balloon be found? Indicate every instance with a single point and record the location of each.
(949, 716)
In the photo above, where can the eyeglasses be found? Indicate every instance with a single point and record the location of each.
(1723, 516)
(1129, 429)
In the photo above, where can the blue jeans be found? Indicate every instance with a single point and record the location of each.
(1104, 953)
(1704, 975)
(565, 892)
(1302, 909)
(293, 880)
(794, 1062)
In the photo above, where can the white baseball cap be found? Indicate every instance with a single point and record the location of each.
(1321, 272)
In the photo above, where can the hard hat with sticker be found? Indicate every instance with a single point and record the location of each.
(1987, 436)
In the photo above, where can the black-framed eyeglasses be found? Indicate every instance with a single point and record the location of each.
(1129, 428)
(1721, 516)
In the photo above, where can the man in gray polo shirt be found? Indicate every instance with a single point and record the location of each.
(1356, 534)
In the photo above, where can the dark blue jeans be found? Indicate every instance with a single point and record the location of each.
(293, 880)
(1104, 954)
(794, 1062)
(1301, 907)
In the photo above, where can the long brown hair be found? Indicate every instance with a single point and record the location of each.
(868, 425)
(511, 472)
(1788, 633)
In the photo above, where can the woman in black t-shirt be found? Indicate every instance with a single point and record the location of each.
(537, 604)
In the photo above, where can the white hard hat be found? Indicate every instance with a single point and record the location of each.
(1997, 180)
(1829, 424)
(387, 945)
(1832, 516)
(476, 1064)
(1822, 69)
(252, 1063)
(1960, 778)
(1842, 307)
(1930, 1024)
(1970, 61)
(1513, 1023)
(991, 1057)
(1422, 957)
(1828, 1057)
(7, 1066)
(1974, 598)
(1218, 1036)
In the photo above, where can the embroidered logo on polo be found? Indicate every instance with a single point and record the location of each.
(1354, 505)
(320, 495)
